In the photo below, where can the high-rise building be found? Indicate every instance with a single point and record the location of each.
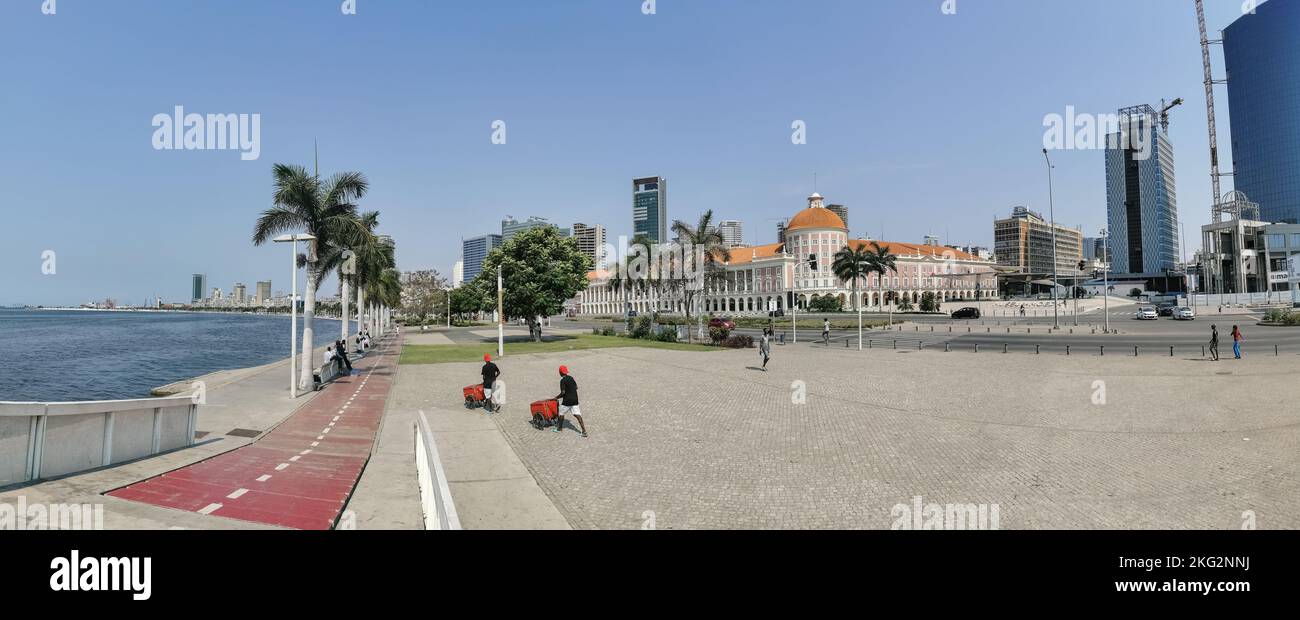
(511, 227)
(198, 284)
(1141, 204)
(216, 293)
(733, 233)
(780, 230)
(650, 208)
(263, 293)
(841, 211)
(241, 293)
(1093, 248)
(1024, 242)
(1261, 51)
(473, 251)
(591, 241)
(458, 274)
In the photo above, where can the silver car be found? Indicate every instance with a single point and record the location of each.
(1147, 313)
(1184, 314)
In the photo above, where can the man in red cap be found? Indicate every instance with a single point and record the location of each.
(568, 398)
(490, 374)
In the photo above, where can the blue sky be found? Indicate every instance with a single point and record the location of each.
(921, 122)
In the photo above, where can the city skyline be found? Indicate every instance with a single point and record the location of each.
(611, 130)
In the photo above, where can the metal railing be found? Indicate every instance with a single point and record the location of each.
(44, 440)
(435, 495)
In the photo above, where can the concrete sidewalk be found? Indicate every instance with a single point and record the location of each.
(490, 485)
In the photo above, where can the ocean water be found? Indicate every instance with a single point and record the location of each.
(73, 355)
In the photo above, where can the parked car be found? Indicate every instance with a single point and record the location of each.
(967, 313)
(726, 324)
(1167, 310)
(1184, 314)
(1147, 313)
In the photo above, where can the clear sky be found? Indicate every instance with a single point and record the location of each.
(919, 121)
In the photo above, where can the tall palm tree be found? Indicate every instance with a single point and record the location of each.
(707, 245)
(850, 265)
(882, 262)
(324, 209)
(622, 278)
(368, 247)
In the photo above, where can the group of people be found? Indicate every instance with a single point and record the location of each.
(1237, 337)
(567, 398)
(339, 352)
(363, 340)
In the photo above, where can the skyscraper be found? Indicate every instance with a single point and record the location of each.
(241, 293)
(841, 211)
(650, 208)
(511, 227)
(733, 233)
(1141, 205)
(458, 274)
(1261, 52)
(591, 241)
(198, 284)
(263, 293)
(474, 250)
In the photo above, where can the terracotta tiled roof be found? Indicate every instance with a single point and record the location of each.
(912, 249)
(741, 256)
(816, 218)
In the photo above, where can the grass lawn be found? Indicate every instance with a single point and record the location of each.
(451, 353)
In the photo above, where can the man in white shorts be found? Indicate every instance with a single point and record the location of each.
(568, 398)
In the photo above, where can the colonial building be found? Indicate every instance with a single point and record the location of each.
(775, 276)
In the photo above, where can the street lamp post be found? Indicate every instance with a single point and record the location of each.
(501, 317)
(1105, 276)
(448, 309)
(293, 307)
(1051, 199)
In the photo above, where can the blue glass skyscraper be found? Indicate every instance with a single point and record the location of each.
(474, 251)
(1141, 204)
(1262, 55)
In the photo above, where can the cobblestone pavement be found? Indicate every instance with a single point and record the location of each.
(686, 440)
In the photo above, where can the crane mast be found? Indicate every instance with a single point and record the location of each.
(1209, 108)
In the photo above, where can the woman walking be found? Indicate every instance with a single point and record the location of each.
(765, 349)
(1237, 337)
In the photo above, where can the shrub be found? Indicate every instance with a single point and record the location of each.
(667, 334)
(1135, 292)
(739, 342)
(718, 334)
(828, 303)
(608, 331)
(1282, 317)
(641, 327)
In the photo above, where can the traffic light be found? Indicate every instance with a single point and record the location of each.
(812, 262)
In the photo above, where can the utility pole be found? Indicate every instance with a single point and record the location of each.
(1056, 304)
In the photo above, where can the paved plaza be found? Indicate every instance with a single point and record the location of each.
(686, 440)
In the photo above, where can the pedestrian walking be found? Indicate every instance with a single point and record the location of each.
(341, 351)
(765, 348)
(568, 398)
(826, 331)
(490, 373)
(1237, 337)
(1214, 342)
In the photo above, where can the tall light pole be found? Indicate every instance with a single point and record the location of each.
(449, 309)
(347, 268)
(293, 307)
(501, 317)
(1051, 200)
(1105, 276)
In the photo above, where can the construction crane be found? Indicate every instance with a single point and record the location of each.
(1164, 113)
(1209, 108)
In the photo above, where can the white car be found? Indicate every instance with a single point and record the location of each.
(1184, 314)
(1147, 313)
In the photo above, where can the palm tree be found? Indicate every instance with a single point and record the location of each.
(621, 277)
(708, 245)
(370, 250)
(882, 262)
(325, 210)
(851, 264)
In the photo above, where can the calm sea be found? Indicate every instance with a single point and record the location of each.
(72, 355)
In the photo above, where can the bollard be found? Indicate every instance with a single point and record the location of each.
(1274, 350)
(895, 344)
(977, 347)
(916, 328)
(1036, 349)
(1004, 348)
(932, 328)
(919, 345)
(1103, 350)
(1008, 330)
(1202, 350)
(846, 343)
(1171, 351)
(869, 344)
(1067, 349)
(945, 347)
(1135, 351)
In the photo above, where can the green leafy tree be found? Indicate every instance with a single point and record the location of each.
(827, 303)
(424, 295)
(929, 302)
(541, 270)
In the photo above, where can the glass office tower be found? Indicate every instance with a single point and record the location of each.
(1262, 55)
(650, 208)
(1141, 204)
